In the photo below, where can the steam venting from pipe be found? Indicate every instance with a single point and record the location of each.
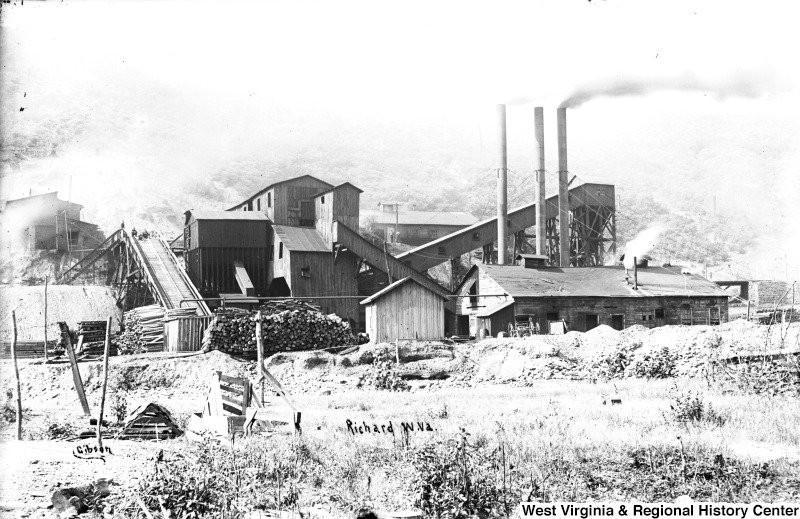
(743, 84)
(642, 244)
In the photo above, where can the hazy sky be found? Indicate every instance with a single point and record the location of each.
(144, 96)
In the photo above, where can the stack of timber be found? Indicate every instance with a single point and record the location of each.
(300, 328)
(280, 305)
(144, 330)
(149, 422)
(94, 336)
(27, 349)
(92, 331)
(174, 313)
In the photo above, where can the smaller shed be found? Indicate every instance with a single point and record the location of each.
(495, 319)
(404, 310)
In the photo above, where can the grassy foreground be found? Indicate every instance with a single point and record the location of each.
(480, 451)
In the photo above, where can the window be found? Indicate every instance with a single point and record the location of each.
(280, 250)
(305, 272)
(187, 237)
(269, 199)
(713, 316)
(258, 204)
(473, 295)
(552, 316)
(476, 236)
(659, 313)
(323, 199)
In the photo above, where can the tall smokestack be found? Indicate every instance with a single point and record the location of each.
(563, 201)
(541, 214)
(502, 189)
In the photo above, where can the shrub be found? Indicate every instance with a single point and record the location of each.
(659, 364)
(455, 479)
(382, 375)
(119, 406)
(615, 364)
(689, 406)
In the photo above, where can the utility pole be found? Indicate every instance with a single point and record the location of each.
(396, 220)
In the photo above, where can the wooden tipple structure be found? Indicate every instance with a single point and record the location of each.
(299, 237)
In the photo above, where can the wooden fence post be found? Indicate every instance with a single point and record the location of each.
(76, 374)
(45, 318)
(16, 374)
(260, 355)
(105, 384)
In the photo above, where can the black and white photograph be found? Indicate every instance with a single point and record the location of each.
(350, 259)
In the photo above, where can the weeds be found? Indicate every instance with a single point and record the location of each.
(382, 375)
(660, 364)
(690, 407)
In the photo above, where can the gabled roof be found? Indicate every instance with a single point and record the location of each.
(452, 218)
(519, 281)
(274, 184)
(337, 187)
(301, 239)
(203, 214)
(393, 286)
(488, 312)
(52, 195)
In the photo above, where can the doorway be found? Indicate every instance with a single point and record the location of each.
(618, 321)
(591, 321)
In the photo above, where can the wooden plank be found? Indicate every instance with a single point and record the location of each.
(76, 374)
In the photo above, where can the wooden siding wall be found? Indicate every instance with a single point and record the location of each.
(408, 312)
(212, 272)
(229, 233)
(341, 204)
(324, 216)
(287, 200)
(328, 278)
(495, 323)
(185, 333)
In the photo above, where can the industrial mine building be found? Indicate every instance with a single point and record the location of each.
(300, 237)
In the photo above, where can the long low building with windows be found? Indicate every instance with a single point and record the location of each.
(496, 297)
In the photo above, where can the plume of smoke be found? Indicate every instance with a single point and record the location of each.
(746, 84)
(643, 243)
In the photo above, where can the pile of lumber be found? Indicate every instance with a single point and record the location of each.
(280, 305)
(300, 328)
(92, 331)
(144, 330)
(149, 421)
(94, 337)
(174, 313)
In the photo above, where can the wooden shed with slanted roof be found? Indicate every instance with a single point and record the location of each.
(403, 310)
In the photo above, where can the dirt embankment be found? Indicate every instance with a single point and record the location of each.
(70, 304)
(181, 383)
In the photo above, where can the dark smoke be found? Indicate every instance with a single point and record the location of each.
(746, 85)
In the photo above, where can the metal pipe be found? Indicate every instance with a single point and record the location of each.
(502, 189)
(541, 214)
(635, 274)
(563, 193)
